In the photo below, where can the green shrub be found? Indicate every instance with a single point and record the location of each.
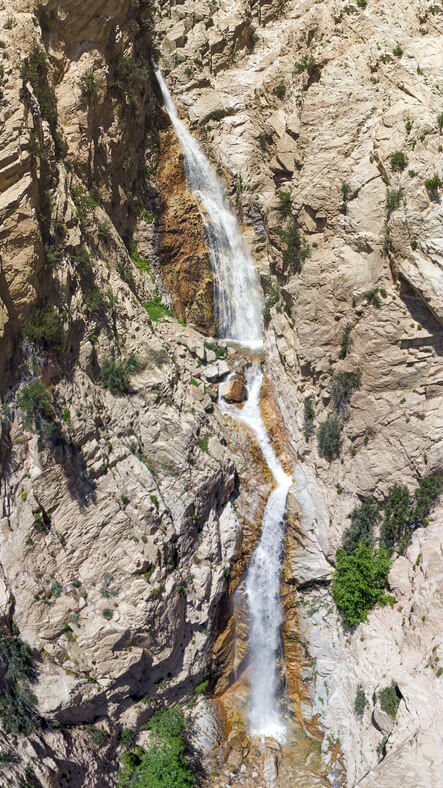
(280, 91)
(34, 147)
(426, 495)
(89, 84)
(433, 184)
(390, 700)
(343, 385)
(199, 689)
(393, 200)
(203, 443)
(397, 51)
(396, 508)
(373, 298)
(98, 735)
(308, 418)
(85, 201)
(60, 145)
(344, 194)
(363, 519)
(95, 301)
(360, 702)
(285, 207)
(362, 3)
(440, 122)
(131, 78)
(217, 114)
(358, 581)
(104, 230)
(17, 702)
(127, 737)
(44, 327)
(307, 64)
(252, 39)
(35, 68)
(108, 613)
(295, 252)
(35, 401)
(82, 259)
(399, 161)
(164, 763)
(329, 437)
(345, 342)
(114, 376)
(220, 352)
(140, 262)
(272, 299)
(156, 309)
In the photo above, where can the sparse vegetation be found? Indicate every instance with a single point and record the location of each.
(308, 417)
(95, 301)
(343, 385)
(140, 262)
(17, 702)
(35, 401)
(403, 514)
(363, 520)
(280, 91)
(360, 702)
(397, 51)
(164, 762)
(85, 201)
(433, 184)
(285, 205)
(131, 78)
(217, 114)
(156, 309)
(393, 200)
(44, 327)
(373, 298)
(272, 299)
(307, 64)
(115, 376)
(296, 251)
(399, 161)
(35, 69)
(390, 700)
(329, 437)
(345, 342)
(89, 84)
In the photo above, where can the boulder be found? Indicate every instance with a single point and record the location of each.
(234, 390)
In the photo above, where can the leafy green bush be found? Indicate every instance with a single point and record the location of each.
(127, 737)
(285, 207)
(373, 298)
(95, 301)
(272, 299)
(89, 84)
(396, 507)
(164, 763)
(329, 437)
(363, 519)
(307, 64)
(433, 184)
(217, 114)
(308, 418)
(345, 342)
(45, 327)
(131, 78)
(393, 200)
(360, 702)
(429, 489)
(390, 700)
(399, 160)
(295, 252)
(85, 201)
(397, 51)
(35, 401)
(156, 309)
(114, 376)
(358, 582)
(82, 259)
(343, 385)
(17, 702)
(35, 68)
(280, 91)
(140, 262)
(203, 443)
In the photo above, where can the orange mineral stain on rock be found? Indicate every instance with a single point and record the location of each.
(182, 248)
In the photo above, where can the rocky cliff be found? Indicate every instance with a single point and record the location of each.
(121, 506)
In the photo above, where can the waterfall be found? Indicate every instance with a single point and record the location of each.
(237, 299)
(238, 314)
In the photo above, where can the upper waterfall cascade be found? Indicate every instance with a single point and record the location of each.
(238, 306)
(237, 296)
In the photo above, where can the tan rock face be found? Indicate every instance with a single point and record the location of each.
(346, 98)
(234, 390)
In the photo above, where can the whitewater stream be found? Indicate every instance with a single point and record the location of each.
(238, 310)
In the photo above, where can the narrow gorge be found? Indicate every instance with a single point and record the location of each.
(221, 292)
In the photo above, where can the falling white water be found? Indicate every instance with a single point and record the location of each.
(238, 312)
(263, 577)
(237, 298)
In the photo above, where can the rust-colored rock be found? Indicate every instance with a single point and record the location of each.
(234, 390)
(182, 247)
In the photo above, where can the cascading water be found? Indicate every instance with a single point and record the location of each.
(237, 299)
(238, 314)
